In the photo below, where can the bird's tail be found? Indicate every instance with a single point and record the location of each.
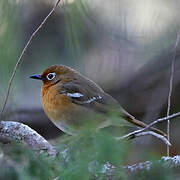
(131, 119)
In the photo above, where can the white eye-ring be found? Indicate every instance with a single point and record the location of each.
(51, 76)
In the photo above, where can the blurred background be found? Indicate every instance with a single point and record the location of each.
(125, 46)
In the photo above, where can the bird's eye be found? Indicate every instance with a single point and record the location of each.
(51, 76)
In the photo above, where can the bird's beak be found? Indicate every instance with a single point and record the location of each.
(37, 76)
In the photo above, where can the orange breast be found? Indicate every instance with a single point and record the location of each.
(55, 105)
(66, 115)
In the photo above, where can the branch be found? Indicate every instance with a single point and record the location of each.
(34, 118)
(165, 140)
(127, 136)
(22, 54)
(17, 131)
(110, 171)
(131, 134)
(171, 86)
(171, 162)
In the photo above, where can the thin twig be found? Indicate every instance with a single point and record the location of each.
(131, 134)
(170, 88)
(22, 54)
(147, 133)
(165, 140)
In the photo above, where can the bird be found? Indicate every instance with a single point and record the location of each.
(70, 100)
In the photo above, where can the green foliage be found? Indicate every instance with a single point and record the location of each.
(82, 157)
(26, 164)
(9, 41)
(7, 171)
(9, 36)
(157, 171)
(89, 155)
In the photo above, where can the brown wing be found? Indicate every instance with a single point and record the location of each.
(96, 99)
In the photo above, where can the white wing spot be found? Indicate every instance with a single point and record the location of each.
(74, 95)
(93, 99)
(78, 95)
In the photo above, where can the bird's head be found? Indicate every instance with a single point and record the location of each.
(54, 74)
